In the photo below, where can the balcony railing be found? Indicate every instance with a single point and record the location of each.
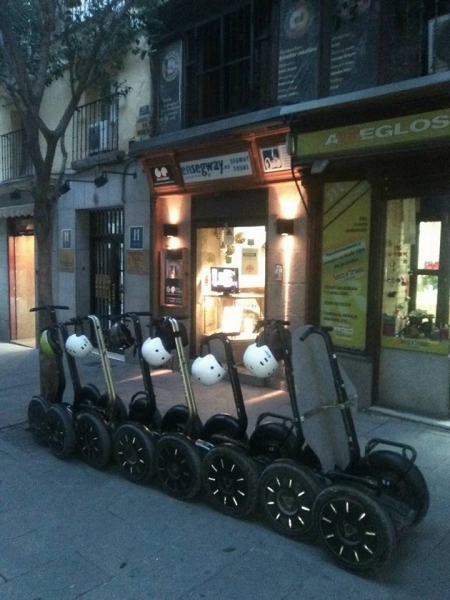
(16, 161)
(96, 128)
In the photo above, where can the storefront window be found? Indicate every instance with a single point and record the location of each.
(230, 280)
(416, 289)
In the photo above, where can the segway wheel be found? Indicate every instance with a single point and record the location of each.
(287, 494)
(273, 441)
(93, 440)
(399, 479)
(37, 419)
(175, 420)
(134, 452)
(178, 466)
(61, 431)
(222, 425)
(230, 481)
(354, 528)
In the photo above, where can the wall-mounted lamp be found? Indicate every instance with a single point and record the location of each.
(16, 194)
(102, 179)
(170, 230)
(66, 185)
(319, 166)
(285, 226)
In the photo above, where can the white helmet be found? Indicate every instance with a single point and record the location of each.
(260, 361)
(207, 369)
(154, 353)
(78, 345)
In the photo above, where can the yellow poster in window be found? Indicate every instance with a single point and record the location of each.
(345, 261)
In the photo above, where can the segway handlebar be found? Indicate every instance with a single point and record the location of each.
(48, 307)
(264, 322)
(137, 313)
(313, 329)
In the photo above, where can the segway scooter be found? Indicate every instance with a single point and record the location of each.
(180, 452)
(229, 473)
(288, 487)
(133, 442)
(369, 500)
(60, 417)
(177, 455)
(39, 405)
(95, 423)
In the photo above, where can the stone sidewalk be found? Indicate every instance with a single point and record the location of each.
(69, 532)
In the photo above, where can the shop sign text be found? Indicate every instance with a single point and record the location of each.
(217, 167)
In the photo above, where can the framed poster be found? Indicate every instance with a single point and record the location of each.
(173, 277)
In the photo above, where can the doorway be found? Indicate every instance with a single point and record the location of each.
(21, 281)
(230, 275)
(107, 263)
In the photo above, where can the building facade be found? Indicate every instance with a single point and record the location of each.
(290, 163)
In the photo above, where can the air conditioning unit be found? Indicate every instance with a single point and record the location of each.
(100, 136)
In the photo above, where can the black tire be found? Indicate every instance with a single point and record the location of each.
(230, 481)
(405, 484)
(178, 466)
(134, 452)
(62, 439)
(223, 425)
(287, 492)
(37, 420)
(273, 441)
(93, 440)
(354, 528)
(175, 420)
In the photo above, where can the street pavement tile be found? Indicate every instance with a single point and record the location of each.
(66, 578)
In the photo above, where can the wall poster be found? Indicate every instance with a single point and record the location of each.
(169, 92)
(354, 45)
(173, 282)
(345, 262)
(298, 60)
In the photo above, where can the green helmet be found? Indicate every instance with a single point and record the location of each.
(48, 344)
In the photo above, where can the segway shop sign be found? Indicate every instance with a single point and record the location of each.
(217, 167)
(400, 131)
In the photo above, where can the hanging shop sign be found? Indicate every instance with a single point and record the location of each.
(162, 175)
(213, 168)
(275, 158)
(388, 133)
(345, 262)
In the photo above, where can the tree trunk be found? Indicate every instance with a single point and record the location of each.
(43, 227)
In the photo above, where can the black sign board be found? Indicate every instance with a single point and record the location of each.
(354, 45)
(162, 175)
(298, 59)
(169, 92)
(173, 277)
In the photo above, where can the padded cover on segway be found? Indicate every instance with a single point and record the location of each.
(314, 386)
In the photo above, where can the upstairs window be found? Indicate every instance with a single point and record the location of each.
(227, 61)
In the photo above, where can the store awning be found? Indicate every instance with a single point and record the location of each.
(19, 210)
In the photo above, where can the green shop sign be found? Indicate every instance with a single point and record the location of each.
(392, 133)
